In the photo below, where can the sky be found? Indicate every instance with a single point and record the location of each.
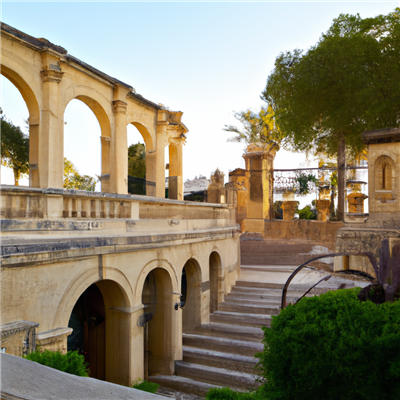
(207, 59)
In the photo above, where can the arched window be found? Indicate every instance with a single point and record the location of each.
(384, 173)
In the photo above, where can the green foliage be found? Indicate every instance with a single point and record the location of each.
(72, 362)
(74, 180)
(137, 160)
(229, 394)
(146, 386)
(333, 347)
(307, 213)
(14, 149)
(344, 85)
(304, 180)
(257, 127)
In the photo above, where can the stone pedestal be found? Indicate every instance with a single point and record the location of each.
(216, 191)
(322, 209)
(175, 188)
(356, 202)
(288, 208)
(259, 162)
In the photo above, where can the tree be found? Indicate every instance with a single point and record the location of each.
(346, 84)
(14, 149)
(74, 180)
(137, 160)
(257, 127)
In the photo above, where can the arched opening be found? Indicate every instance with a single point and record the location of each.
(87, 143)
(384, 171)
(136, 161)
(215, 267)
(191, 295)
(101, 331)
(157, 320)
(19, 106)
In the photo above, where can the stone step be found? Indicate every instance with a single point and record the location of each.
(183, 384)
(232, 331)
(269, 268)
(249, 308)
(240, 318)
(265, 292)
(217, 376)
(223, 344)
(256, 300)
(293, 287)
(212, 358)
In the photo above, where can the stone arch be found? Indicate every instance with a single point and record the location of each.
(156, 286)
(191, 278)
(164, 264)
(216, 278)
(151, 166)
(32, 104)
(384, 173)
(109, 341)
(148, 140)
(103, 113)
(81, 283)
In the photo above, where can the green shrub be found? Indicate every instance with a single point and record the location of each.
(72, 362)
(333, 347)
(307, 213)
(229, 394)
(146, 386)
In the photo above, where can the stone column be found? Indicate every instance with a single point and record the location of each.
(105, 163)
(322, 209)
(176, 165)
(119, 170)
(288, 208)
(160, 158)
(33, 154)
(259, 162)
(50, 160)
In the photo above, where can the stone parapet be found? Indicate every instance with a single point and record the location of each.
(54, 339)
(18, 338)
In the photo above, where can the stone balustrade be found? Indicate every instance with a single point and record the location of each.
(34, 203)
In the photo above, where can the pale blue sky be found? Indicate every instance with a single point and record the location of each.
(206, 59)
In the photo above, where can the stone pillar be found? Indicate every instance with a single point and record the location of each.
(119, 162)
(216, 191)
(33, 154)
(175, 188)
(50, 158)
(288, 208)
(356, 202)
(160, 158)
(105, 163)
(260, 164)
(322, 209)
(176, 164)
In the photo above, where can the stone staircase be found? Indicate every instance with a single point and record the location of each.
(222, 353)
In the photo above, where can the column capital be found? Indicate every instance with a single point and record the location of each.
(119, 106)
(51, 75)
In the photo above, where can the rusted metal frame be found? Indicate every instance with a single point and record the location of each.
(298, 269)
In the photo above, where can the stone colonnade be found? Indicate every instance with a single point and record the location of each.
(48, 78)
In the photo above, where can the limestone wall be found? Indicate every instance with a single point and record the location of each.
(303, 230)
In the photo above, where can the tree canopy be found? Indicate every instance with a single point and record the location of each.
(74, 180)
(348, 83)
(137, 160)
(14, 149)
(257, 127)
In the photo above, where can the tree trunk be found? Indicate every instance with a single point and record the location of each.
(341, 163)
(16, 177)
